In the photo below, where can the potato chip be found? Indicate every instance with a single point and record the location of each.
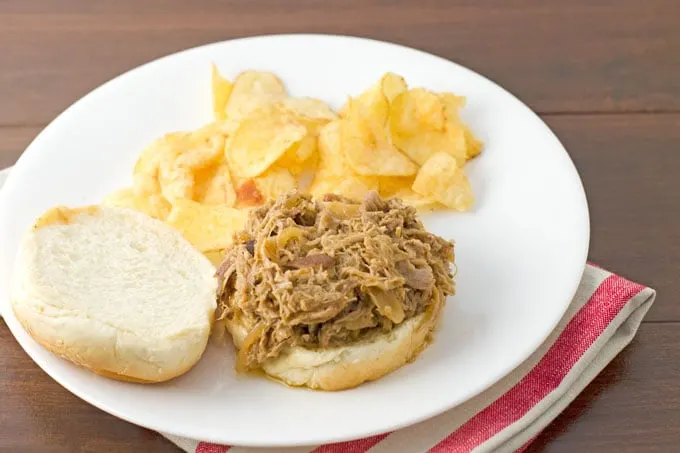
(367, 147)
(247, 194)
(332, 160)
(416, 111)
(392, 85)
(201, 148)
(252, 90)
(304, 149)
(153, 205)
(213, 186)
(221, 89)
(310, 108)
(314, 114)
(441, 179)
(215, 257)
(322, 186)
(378, 97)
(148, 160)
(473, 145)
(176, 182)
(297, 157)
(452, 103)
(261, 139)
(275, 182)
(422, 146)
(145, 172)
(353, 187)
(389, 186)
(188, 154)
(206, 227)
(420, 125)
(375, 105)
(418, 201)
(334, 174)
(308, 173)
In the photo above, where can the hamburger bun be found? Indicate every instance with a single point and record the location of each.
(332, 293)
(115, 291)
(347, 366)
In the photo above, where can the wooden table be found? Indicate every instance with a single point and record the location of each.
(605, 75)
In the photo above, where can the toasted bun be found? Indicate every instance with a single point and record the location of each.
(348, 366)
(115, 291)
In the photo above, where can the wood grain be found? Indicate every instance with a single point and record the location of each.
(13, 142)
(557, 56)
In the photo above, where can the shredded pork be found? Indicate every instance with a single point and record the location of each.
(331, 272)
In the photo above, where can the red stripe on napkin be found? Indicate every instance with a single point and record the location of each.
(579, 334)
(207, 447)
(354, 446)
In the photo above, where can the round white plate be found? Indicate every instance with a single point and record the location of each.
(520, 253)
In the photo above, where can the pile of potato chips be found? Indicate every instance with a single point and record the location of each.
(406, 143)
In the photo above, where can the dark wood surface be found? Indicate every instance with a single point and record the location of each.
(604, 75)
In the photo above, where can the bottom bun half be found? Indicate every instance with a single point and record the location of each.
(347, 366)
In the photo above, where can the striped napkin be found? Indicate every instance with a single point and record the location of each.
(602, 319)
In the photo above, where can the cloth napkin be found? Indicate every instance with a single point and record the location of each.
(602, 319)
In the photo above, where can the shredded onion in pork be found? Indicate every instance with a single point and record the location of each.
(387, 304)
(252, 338)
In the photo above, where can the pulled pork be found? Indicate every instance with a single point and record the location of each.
(329, 272)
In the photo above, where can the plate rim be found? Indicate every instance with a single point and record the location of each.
(12, 322)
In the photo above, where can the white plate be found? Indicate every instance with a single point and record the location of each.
(520, 253)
